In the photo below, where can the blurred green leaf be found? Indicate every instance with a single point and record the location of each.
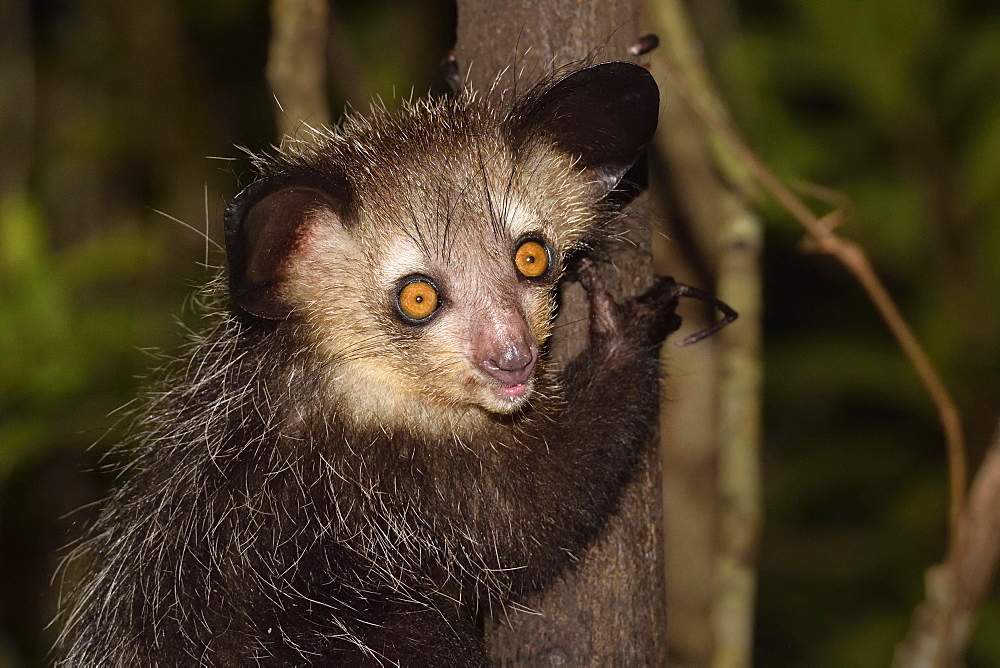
(56, 345)
(895, 104)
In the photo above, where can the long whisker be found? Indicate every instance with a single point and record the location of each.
(190, 227)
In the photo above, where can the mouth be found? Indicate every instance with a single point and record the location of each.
(512, 391)
(508, 398)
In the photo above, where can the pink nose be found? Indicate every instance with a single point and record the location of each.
(511, 363)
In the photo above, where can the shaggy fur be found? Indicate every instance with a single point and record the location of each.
(316, 481)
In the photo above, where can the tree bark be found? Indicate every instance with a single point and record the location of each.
(610, 610)
(296, 63)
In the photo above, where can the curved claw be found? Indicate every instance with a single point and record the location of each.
(728, 313)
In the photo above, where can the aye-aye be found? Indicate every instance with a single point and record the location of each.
(369, 438)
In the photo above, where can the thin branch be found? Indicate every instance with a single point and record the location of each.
(854, 259)
(981, 541)
(296, 63)
(943, 623)
(955, 588)
(729, 234)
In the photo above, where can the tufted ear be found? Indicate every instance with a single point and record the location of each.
(267, 226)
(604, 114)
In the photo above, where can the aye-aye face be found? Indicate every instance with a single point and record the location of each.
(440, 295)
(421, 250)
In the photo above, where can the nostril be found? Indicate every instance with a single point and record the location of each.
(515, 358)
(513, 364)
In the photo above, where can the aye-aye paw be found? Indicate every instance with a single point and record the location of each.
(647, 320)
(605, 313)
(651, 317)
(643, 321)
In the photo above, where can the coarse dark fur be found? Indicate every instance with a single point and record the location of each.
(321, 480)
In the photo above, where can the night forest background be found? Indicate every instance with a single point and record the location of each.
(112, 111)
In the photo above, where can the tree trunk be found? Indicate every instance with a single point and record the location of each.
(610, 610)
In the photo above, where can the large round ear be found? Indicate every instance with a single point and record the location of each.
(266, 227)
(604, 115)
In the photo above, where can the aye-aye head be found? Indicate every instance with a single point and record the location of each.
(420, 250)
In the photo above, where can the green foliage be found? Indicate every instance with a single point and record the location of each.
(986, 640)
(118, 103)
(59, 340)
(895, 104)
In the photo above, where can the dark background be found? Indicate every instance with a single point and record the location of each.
(109, 110)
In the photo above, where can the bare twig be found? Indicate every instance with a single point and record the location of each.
(729, 236)
(981, 542)
(296, 63)
(942, 624)
(856, 262)
(949, 628)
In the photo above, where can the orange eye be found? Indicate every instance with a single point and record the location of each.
(531, 259)
(418, 300)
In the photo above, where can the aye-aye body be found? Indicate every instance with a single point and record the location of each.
(370, 438)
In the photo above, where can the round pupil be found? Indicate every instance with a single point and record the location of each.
(418, 300)
(531, 259)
